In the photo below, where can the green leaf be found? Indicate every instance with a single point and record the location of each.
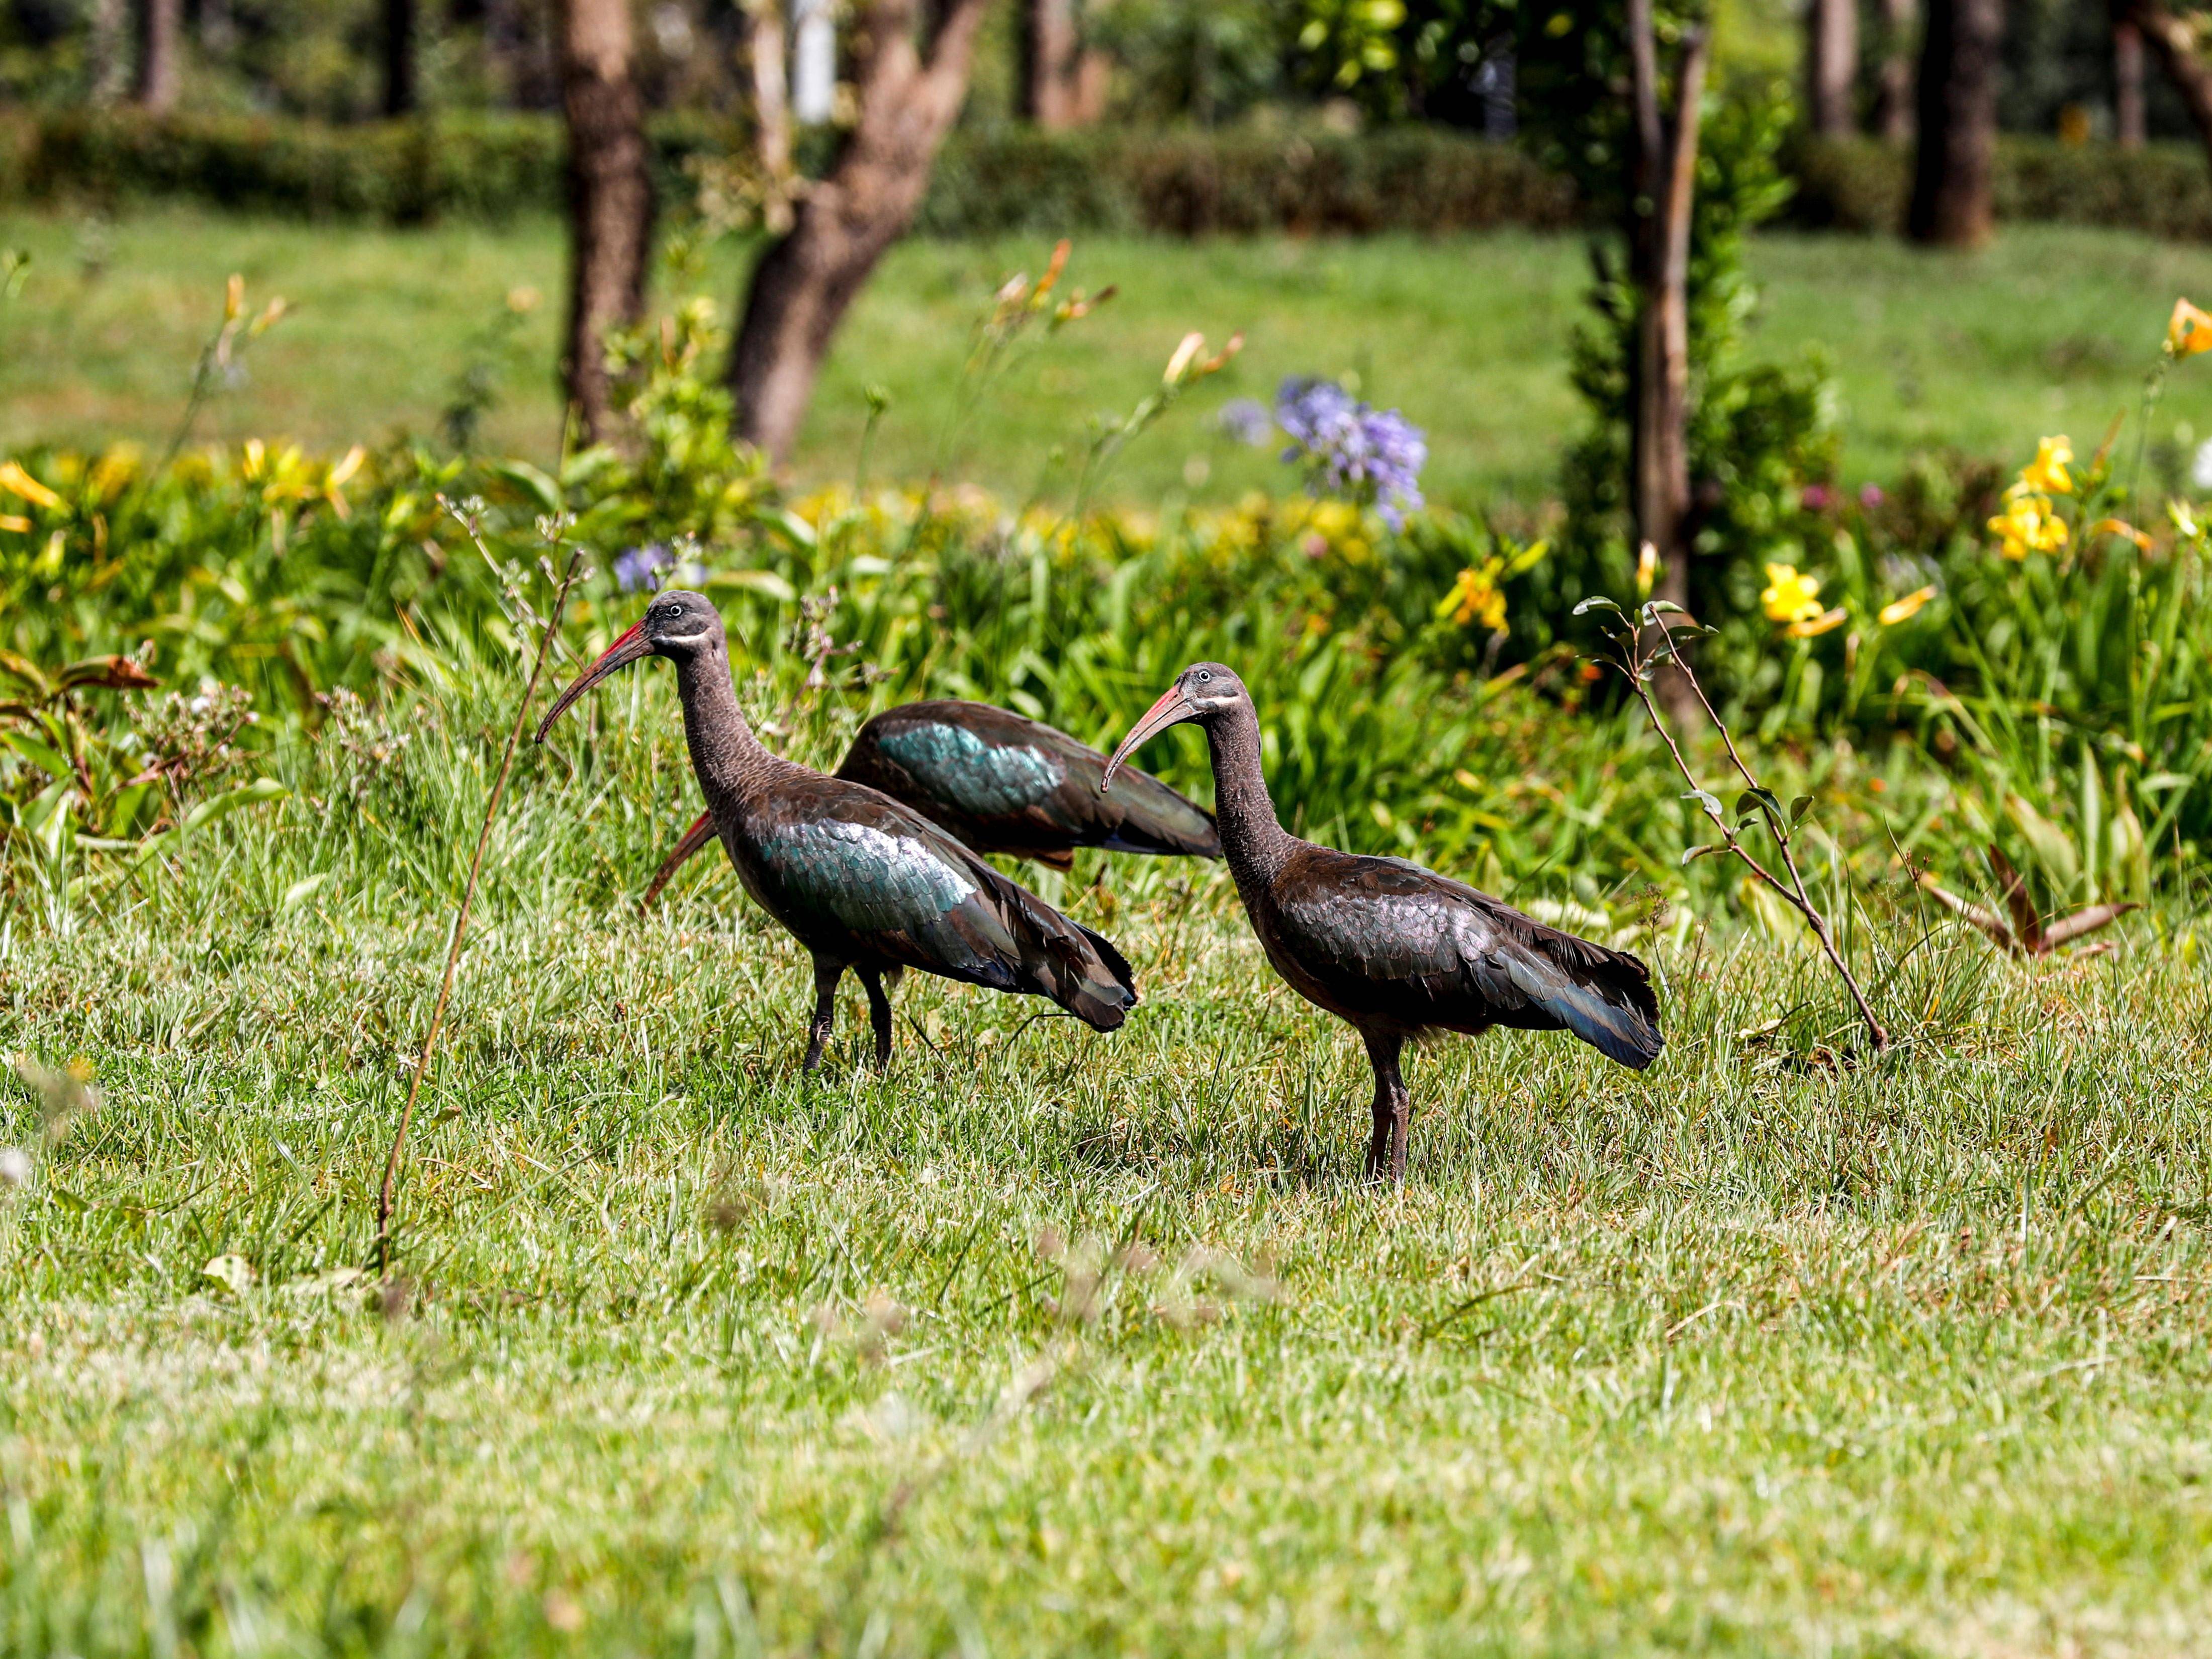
(47, 759)
(222, 805)
(303, 890)
(542, 490)
(1597, 602)
(766, 582)
(1798, 809)
(1756, 800)
(1710, 802)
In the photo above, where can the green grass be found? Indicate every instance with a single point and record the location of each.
(2050, 331)
(1740, 1354)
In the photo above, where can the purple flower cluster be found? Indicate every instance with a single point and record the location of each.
(639, 568)
(1245, 420)
(1348, 448)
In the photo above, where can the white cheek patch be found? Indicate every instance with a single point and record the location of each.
(684, 638)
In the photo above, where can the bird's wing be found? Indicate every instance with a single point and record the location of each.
(1008, 783)
(907, 890)
(1386, 937)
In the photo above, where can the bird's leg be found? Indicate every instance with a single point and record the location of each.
(1394, 1110)
(879, 1014)
(826, 975)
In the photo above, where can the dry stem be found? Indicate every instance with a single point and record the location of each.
(388, 1192)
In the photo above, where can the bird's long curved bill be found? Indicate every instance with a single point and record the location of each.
(627, 649)
(1172, 709)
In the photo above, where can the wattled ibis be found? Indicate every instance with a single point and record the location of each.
(1392, 949)
(1002, 783)
(861, 881)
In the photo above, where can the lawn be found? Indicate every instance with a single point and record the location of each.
(1051, 1342)
(2050, 331)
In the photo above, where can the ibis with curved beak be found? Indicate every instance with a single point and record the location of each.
(1002, 783)
(1392, 949)
(861, 881)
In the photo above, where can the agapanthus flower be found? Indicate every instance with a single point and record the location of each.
(1349, 448)
(637, 568)
(1245, 420)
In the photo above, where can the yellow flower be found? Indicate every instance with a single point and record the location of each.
(2188, 332)
(1807, 627)
(2119, 527)
(1905, 610)
(2029, 525)
(1790, 596)
(1475, 598)
(17, 482)
(2046, 473)
(1647, 569)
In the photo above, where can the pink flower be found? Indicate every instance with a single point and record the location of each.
(1818, 498)
(1870, 496)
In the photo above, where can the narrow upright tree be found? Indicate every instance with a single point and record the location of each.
(1831, 67)
(1050, 94)
(1895, 81)
(1955, 166)
(2129, 126)
(910, 93)
(2173, 39)
(159, 22)
(1663, 164)
(400, 94)
(768, 44)
(610, 198)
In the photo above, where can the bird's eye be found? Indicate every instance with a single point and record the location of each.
(1204, 676)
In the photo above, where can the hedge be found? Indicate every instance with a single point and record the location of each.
(2165, 189)
(987, 179)
(1010, 178)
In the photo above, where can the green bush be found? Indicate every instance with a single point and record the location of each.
(2165, 189)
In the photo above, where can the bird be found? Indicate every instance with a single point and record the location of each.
(861, 881)
(1001, 783)
(1394, 949)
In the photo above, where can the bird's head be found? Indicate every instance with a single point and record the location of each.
(1204, 692)
(676, 624)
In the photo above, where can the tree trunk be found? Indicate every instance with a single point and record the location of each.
(610, 198)
(769, 46)
(2172, 41)
(1832, 65)
(107, 52)
(2128, 124)
(805, 281)
(400, 95)
(1954, 171)
(1048, 62)
(156, 87)
(1894, 90)
(1663, 155)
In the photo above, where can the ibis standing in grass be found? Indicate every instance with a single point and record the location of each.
(1392, 949)
(1003, 783)
(861, 881)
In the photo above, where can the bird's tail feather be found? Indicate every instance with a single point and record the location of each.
(1080, 970)
(1603, 996)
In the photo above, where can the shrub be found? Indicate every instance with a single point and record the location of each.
(1859, 184)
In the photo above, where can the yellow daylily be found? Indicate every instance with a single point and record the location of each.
(1475, 596)
(2119, 527)
(1807, 627)
(2046, 474)
(2029, 525)
(17, 482)
(2189, 331)
(1790, 596)
(1905, 610)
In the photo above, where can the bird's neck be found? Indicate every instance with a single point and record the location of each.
(1253, 840)
(728, 758)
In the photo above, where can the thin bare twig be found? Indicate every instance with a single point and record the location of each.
(1638, 662)
(388, 1192)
